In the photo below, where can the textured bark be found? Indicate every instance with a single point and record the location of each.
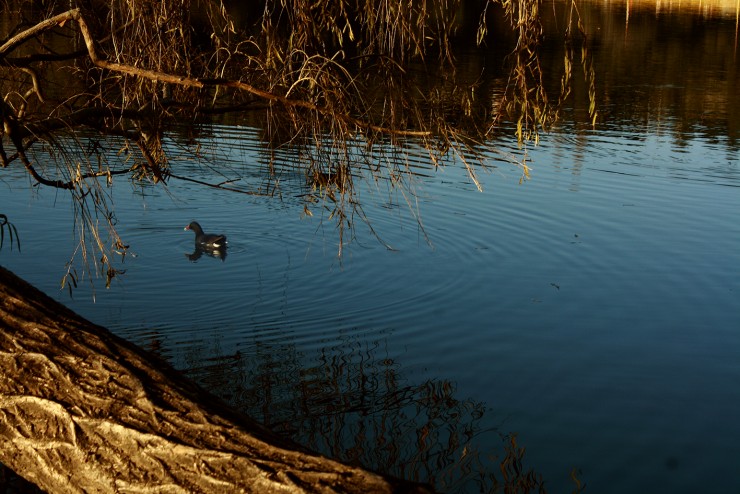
(82, 410)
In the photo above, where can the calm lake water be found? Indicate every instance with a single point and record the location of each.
(593, 310)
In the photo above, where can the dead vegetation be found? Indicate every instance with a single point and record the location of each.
(326, 77)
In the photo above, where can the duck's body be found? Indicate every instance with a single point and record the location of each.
(206, 240)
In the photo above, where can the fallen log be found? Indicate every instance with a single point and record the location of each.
(82, 410)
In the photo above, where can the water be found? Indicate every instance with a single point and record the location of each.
(592, 310)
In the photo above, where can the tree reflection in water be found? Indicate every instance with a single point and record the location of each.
(352, 402)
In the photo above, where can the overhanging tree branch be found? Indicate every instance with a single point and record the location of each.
(76, 15)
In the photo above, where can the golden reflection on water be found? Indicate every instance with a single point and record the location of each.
(662, 66)
(704, 8)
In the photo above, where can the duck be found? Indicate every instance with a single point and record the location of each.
(206, 240)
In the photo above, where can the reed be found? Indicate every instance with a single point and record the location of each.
(328, 77)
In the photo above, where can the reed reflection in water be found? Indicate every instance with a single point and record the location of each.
(355, 403)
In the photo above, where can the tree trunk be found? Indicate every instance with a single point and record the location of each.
(82, 410)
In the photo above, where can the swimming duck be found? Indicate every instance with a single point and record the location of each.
(205, 239)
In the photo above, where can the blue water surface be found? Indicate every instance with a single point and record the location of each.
(592, 309)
